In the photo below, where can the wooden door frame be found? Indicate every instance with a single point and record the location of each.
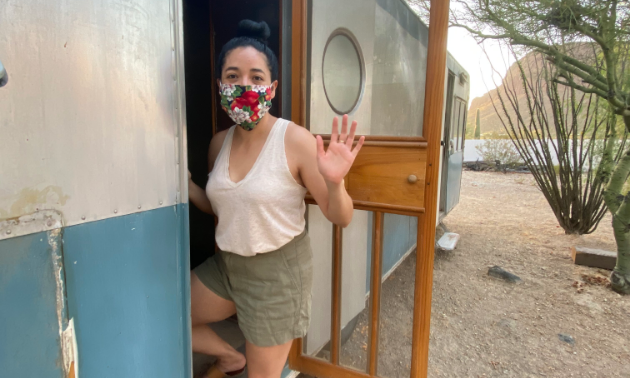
(432, 121)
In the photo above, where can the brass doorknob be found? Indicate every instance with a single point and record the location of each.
(412, 179)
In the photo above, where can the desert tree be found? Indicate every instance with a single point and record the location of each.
(545, 27)
(478, 126)
(561, 134)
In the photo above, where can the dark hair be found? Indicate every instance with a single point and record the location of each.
(254, 34)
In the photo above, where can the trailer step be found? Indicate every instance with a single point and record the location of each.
(448, 241)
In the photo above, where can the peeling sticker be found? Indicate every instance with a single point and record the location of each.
(70, 350)
(66, 327)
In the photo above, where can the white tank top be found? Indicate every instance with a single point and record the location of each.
(265, 210)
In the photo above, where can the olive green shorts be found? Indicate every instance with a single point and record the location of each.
(271, 291)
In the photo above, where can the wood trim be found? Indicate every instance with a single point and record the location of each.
(416, 145)
(384, 207)
(295, 354)
(383, 141)
(298, 111)
(298, 62)
(433, 110)
(384, 138)
(323, 369)
(213, 78)
(281, 16)
(375, 292)
(335, 327)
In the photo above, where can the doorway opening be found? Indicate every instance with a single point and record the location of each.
(446, 142)
(207, 27)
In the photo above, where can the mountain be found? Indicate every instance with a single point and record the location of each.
(532, 63)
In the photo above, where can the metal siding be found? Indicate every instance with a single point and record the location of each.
(399, 70)
(30, 344)
(453, 186)
(455, 161)
(90, 117)
(128, 291)
(399, 236)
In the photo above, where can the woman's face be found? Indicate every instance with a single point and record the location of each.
(247, 66)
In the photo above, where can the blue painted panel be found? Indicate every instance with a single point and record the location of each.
(399, 235)
(128, 292)
(29, 328)
(453, 187)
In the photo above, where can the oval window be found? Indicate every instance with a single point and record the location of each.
(342, 72)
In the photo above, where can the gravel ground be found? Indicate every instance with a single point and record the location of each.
(560, 321)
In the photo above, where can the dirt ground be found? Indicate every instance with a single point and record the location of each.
(485, 327)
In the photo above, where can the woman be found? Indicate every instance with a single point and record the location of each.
(261, 168)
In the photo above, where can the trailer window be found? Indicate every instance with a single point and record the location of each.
(458, 124)
(343, 71)
(454, 128)
(462, 124)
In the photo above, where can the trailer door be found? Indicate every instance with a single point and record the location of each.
(371, 60)
(455, 153)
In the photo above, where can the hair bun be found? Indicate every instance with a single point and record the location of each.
(253, 29)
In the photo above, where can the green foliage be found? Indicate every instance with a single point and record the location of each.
(501, 150)
(478, 126)
(494, 135)
(548, 27)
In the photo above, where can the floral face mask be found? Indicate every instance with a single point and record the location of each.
(246, 104)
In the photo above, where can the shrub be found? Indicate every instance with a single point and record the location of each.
(499, 149)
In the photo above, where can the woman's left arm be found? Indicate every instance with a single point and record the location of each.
(322, 171)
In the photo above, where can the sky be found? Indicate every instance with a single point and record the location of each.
(471, 56)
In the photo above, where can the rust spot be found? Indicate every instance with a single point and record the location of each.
(30, 200)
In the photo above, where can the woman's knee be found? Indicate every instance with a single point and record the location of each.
(266, 362)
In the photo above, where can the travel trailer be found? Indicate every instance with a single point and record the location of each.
(105, 106)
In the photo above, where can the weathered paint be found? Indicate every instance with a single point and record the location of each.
(125, 281)
(93, 114)
(31, 314)
(30, 200)
(42, 220)
(65, 332)
(128, 292)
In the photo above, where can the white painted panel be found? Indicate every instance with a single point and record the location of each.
(89, 119)
(357, 16)
(354, 267)
(320, 233)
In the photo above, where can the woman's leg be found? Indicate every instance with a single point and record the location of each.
(266, 362)
(207, 307)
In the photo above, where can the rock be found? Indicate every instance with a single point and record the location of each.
(498, 272)
(566, 338)
(507, 323)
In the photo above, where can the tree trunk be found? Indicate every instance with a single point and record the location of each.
(620, 277)
(478, 126)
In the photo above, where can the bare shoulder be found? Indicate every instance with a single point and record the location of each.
(215, 147)
(217, 140)
(299, 137)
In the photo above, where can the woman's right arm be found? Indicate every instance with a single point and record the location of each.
(196, 194)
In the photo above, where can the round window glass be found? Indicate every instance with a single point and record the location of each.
(342, 72)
